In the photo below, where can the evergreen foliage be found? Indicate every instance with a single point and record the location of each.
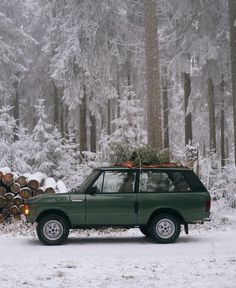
(119, 152)
(7, 128)
(143, 155)
(146, 155)
(42, 142)
(127, 125)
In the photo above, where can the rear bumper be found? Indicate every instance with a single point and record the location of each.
(206, 219)
(201, 221)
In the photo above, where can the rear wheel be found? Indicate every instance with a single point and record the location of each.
(145, 230)
(52, 230)
(165, 228)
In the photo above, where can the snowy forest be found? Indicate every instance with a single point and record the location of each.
(80, 80)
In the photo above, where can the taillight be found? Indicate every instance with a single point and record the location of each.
(26, 209)
(208, 206)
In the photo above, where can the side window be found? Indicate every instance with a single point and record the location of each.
(115, 182)
(158, 181)
(98, 183)
(154, 181)
(179, 182)
(193, 181)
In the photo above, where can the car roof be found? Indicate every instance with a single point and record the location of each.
(151, 167)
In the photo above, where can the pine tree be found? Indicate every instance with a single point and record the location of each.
(68, 163)
(14, 40)
(45, 146)
(128, 125)
(7, 130)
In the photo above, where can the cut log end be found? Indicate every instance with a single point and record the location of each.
(3, 191)
(8, 179)
(49, 190)
(15, 188)
(9, 196)
(22, 180)
(18, 201)
(25, 193)
(14, 210)
(33, 184)
(3, 201)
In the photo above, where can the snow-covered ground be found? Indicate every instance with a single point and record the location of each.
(119, 259)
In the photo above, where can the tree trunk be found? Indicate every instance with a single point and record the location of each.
(154, 127)
(188, 116)
(212, 121)
(227, 151)
(222, 124)
(83, 123)
(62, 124)
(93, 133)
(204, 149)
(166, 112)
(109, 116)
(16, 108)
(128, 68)
(55, 105)
(116, 107)
(232, 30)
(66, 120)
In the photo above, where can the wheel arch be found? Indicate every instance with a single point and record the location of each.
(170, 211)
(54, 212)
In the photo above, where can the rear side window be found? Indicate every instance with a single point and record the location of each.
(154, 181)
(194, 181)
(163, 181)
(179, 182)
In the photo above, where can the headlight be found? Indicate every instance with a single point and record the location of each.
(26, 209)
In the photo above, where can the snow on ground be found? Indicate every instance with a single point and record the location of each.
(120, 259)
(115, 258)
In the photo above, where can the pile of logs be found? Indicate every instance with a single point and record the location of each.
(14, 189)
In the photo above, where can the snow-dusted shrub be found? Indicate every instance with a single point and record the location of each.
(14, 143)
(220, 181)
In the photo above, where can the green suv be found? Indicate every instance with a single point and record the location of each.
(157, 199)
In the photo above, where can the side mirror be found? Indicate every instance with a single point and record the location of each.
(92, 190)
(74, 190)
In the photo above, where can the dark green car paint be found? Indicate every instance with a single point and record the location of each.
(83, 208)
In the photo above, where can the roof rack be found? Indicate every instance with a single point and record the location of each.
(130, 164)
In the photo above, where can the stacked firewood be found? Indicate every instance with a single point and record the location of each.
(15, 189)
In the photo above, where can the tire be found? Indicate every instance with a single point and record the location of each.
(145, 230)
(165, 228)
(52, 230)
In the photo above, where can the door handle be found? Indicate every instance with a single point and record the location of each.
(79, 200)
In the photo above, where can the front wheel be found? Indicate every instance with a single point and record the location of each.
(145, 230)
(165, 228)
(52, 230)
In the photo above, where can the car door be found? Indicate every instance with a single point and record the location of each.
(111, 199)
(77, 204)
(153, 186)
(76, 209)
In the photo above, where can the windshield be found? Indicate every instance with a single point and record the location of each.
(88, 181)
